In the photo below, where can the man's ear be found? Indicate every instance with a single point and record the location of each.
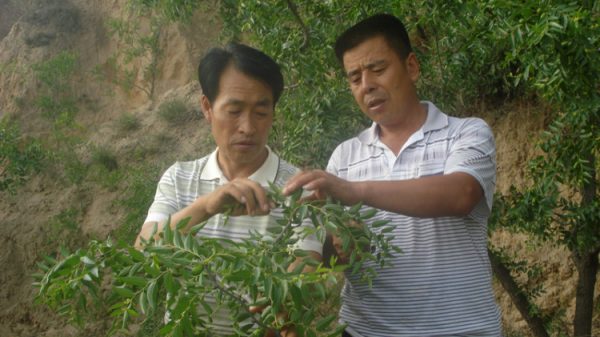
(412, 66)
(206, 107)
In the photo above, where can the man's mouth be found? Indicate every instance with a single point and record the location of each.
(375, 104)
(244, 144)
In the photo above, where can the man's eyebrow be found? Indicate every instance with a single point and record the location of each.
(238, 103)
(369, 66)
(233, 101)
(264, 102)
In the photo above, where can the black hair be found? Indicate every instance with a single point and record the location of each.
(248, 60)
(386, 25)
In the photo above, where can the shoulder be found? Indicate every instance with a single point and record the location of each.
(456, 124)
(471, 128)
(186, 168)
(350, 147)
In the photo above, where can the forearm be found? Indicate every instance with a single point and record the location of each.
(446, 195)
(195, 212)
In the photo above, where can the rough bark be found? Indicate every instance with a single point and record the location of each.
(520, 300)
(587, 267)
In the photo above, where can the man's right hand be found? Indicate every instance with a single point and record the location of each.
(323, 184)
(241, 196)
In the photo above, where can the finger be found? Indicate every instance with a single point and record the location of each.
(256, 309)
(299, 181)
(257, 202)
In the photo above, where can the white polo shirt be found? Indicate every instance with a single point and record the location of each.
(440, 285)
(184, 182)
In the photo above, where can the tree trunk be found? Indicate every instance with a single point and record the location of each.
(587, 266)
(535, 322)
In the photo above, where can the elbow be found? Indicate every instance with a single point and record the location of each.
(466, 202)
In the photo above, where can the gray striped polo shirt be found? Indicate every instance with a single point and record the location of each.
(184, 182)
(440, 285)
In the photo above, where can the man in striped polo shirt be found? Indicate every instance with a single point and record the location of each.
(432, 176)
(240, 86)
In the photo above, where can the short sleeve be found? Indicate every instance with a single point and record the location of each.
(474, 152)
(165, 198)
(333, 164)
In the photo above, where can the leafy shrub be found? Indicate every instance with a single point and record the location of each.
(179, 271)
(128, 122)
(175, 112)
(141, 186)
(19, 157)
(104, 157)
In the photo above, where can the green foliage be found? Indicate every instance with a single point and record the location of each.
(19, 156)
(139, 192)
(175, 112)
(128, 122)
(136, 45)
(184, 273)
(56, 100)
(104, 157)
(63, 229)
(180, 10)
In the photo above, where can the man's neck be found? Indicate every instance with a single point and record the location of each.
(395, 135)
(234, 169)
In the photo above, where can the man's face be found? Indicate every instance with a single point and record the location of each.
(241, 117)
(382, 83)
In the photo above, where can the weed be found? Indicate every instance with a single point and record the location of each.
(128, 122)
(19, 156)
(104, 157)
(175, 112)
(142, 184)
(64, 228)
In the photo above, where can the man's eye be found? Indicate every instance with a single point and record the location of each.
(355, 79)
(378, 70)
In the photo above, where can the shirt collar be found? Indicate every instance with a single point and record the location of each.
(435, 120)
(264, 175)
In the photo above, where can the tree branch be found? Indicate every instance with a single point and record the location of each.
(306, 33)
(535, 322)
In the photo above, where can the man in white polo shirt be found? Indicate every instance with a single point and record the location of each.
(241, 86)
(432, 176)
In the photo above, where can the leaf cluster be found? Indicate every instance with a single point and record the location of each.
(191, 276)
(19, 156)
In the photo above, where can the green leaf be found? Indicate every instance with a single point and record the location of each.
(152, 294)
(368, 214)
(133, 280)
(124, 292)
(354, 209)
(379, 223)
(324, 322)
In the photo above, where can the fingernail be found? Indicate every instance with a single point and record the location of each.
(243, 199)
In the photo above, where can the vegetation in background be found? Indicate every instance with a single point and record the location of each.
(181, 272)
(128, 122)
(135, 64)
(20, 157)
(175, 112)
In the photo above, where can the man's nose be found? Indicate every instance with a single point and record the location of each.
(246, 124)
(367, 82)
